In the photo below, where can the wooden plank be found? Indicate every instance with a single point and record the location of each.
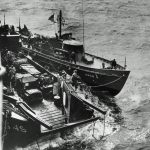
(58, 123)
(55, 126)
(58, 116)
(24, 109)
(49, 114)
(50, 110)
(70, 125)
(59, 120)
(58, 126)
(54, 120)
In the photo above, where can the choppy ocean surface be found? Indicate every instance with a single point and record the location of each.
(113, 29)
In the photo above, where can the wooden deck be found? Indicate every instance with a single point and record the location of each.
(49, 113)
(97, 64)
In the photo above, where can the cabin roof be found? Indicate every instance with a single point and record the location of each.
(72, 42)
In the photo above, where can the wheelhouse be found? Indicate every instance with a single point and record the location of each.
(74, 46)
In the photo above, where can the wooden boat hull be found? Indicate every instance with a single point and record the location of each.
(100, 80)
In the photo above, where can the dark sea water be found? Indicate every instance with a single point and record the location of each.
(113, 29)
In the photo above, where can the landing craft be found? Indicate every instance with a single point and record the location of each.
(26, 117)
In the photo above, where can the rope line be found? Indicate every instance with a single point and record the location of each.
(107, 83)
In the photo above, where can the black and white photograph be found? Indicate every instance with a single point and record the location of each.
(75, 74)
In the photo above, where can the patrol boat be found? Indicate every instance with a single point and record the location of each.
(64, 52)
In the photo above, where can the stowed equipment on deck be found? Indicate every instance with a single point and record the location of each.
(54, 119)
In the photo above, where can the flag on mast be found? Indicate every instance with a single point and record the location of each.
(51, 18)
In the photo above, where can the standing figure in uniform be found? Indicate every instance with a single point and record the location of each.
(114, 64)
(75, 78)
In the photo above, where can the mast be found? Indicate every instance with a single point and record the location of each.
(2, 71)
(60, 23)
(83, 23)
(125, 63)
(19, 24)
(4, 19)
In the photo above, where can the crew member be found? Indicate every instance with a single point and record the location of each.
(20, 54)
(56, 36)
(12, 72)
(75, 78)
(9, 58)
(73, 57)
(47, 68)
(41, 81)
(64, 74)
(103, 65)
(113, 64)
